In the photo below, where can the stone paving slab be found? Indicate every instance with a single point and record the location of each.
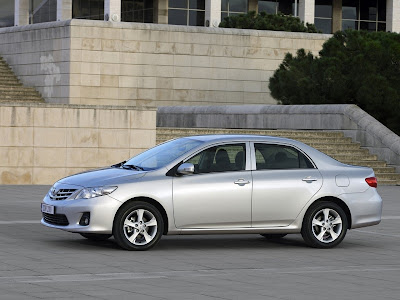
(37, 262)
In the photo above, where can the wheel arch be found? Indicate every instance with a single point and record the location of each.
(151, 201)
(337, 201)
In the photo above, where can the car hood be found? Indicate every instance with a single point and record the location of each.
(100, 177)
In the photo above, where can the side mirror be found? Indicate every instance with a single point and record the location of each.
(185, 169)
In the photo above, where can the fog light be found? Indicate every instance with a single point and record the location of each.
(85, 219)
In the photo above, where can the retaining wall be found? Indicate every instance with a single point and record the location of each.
(117, 63)
(41, 143)
(350, 119)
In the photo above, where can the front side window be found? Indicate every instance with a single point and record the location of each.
(233, 7)
(186, 12)
(222, 158)
(275, 157)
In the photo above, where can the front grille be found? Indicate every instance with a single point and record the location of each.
(61, 194)
(56, 219)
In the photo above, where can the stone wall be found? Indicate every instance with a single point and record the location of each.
(41, 143)
(96, 62)
(350, 119)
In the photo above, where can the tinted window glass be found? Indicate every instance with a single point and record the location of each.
(163, 154)
(177, 17)
(270, 7)
(270, 156)
(323, 8)
(177, 3)
(196, 18)
(221, 158)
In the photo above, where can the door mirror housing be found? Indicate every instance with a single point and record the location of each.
(185, 169)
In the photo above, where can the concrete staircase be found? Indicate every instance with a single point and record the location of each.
(12, 90)
(334, 144)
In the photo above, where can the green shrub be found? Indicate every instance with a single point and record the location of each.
(354, 67)
(264, 21)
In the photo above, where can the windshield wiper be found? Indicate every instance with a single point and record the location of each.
(130, 167)
(118, 165)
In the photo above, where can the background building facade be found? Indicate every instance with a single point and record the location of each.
(328, 15)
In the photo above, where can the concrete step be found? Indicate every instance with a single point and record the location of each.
(7, 75)
(8, 80)
(10, 84)
(19, 99)
(388, 176)
(17, 92)
(334, 151)
(348, 157)
(365, 163)
(305, 140)
(6, 88)
(281, 133)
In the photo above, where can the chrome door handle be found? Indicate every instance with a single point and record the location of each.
(241, 182)
(309, 179)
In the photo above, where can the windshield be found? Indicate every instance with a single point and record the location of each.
(163, 154)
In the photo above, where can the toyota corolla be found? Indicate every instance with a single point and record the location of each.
(217, 184)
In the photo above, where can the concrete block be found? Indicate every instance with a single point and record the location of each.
(83, 157)
(114, 118)
(16, 156)
(49, 157)
(16, 136)
(82, 137)
(108, 157)
(82, 118)
(49, 137)
(113, 138)
(15, 175)
(142, 138)
(47, 175)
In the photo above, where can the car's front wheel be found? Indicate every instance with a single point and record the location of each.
(138, 226)
(325, 225)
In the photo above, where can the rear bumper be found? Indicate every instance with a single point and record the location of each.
(365, 208)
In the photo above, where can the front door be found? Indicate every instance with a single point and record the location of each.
(218, 194)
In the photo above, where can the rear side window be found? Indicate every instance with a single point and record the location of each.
(276, 157)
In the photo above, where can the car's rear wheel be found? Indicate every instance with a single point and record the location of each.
(325, 225)
(138, 226)
(274, 236)
(96, 236)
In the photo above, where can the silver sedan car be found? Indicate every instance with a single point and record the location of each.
(217, 184)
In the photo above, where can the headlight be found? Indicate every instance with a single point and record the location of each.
(93, 192)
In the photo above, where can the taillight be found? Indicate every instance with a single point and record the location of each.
(372, 182)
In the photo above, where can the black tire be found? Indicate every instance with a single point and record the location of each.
(138, 234)
(274, 236)
(324, 234)
(96, 236)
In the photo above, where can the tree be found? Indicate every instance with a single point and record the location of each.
(264, 21)
(353, 67)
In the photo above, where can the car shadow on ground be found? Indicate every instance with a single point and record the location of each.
(233, 242)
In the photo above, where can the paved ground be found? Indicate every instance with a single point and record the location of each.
(41, 263)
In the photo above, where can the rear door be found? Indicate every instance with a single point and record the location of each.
(284, 180)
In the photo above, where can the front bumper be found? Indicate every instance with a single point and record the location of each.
(102, 212)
